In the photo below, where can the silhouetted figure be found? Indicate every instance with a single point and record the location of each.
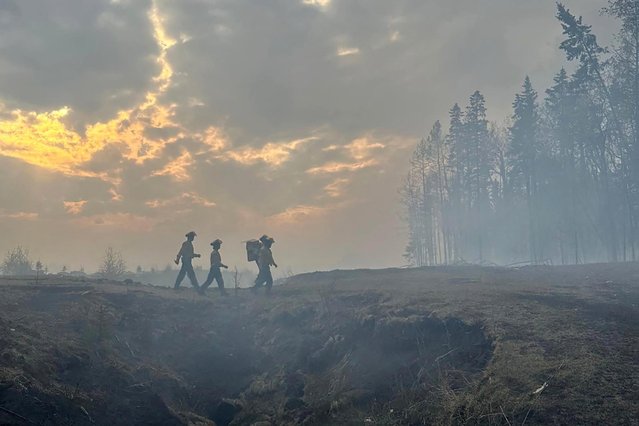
(253, 248)
(264, 262)
(215, 273)
(187, 254)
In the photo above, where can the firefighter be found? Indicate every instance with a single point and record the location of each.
(187, 254)
(215, 273)
(264, 262)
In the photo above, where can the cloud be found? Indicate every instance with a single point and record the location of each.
(178, 168)
(22, 216)
(273, 154)
(185, 200)
(362, 148)
(317, 3)
(75, 207)
(361, 152)
(79, 54)
(158, 114)
(301, 213)
(44, 140)
(347, 51)
(213, 138)
(47, 139)
(336, 188)
(127, 222)
(337, 167)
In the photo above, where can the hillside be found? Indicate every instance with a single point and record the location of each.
(455, 345)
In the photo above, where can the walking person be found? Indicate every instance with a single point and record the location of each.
(215, 273)
(187, 253)
(253, 248)
(264, 262)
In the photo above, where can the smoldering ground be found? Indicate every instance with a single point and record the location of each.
(437, 345)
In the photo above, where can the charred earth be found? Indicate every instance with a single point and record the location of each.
(457, 345)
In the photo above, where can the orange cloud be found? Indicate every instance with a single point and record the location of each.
(214, 138)
(335, 189)
(362, 148)
(43, 139)
(361, 151)
(331, 148)
(18, 215)
(115, 195)
(75, 207)
(165, 42)
(178, 168)
(298, 214)
(302, 213)
(337, 167)
(184, 200)
(46, 140)
(273, 153)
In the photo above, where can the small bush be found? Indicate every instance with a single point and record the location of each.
(17, 262)
(113, 264)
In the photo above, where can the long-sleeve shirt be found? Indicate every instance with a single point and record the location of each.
(265, 258)
(187, 252)
(216, 259)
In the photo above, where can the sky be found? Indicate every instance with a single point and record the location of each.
(128, 123)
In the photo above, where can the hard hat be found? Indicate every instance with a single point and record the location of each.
(218, 241)
(192, 233)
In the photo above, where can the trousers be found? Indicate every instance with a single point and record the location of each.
(186, 269)
(214, 274)
(264, 277)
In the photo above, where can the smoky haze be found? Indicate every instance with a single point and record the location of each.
(127, 124)
(557, 183)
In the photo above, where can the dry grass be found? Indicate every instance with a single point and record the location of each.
(76, 352)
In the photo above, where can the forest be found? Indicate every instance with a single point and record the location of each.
(558, 184)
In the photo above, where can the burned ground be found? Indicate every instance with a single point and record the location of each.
(459, 345)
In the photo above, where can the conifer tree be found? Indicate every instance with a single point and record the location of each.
(524, 150)
(477, 174)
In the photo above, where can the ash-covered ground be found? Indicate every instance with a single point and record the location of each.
(448, 345)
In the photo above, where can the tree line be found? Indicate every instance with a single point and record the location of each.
(558, 184)
(17, 262)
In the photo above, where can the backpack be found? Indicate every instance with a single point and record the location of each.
(253, 250)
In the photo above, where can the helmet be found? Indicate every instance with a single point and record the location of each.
(216, 242)
(191, 234)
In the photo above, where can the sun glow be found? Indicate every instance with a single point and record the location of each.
(46, 139)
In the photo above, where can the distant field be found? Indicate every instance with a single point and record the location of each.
(449, 345)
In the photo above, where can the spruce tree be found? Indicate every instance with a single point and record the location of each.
(477, 174)
(524, 150)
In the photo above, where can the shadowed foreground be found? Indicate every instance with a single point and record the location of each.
(458, 345)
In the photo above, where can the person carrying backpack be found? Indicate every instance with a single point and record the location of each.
(264, 262)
